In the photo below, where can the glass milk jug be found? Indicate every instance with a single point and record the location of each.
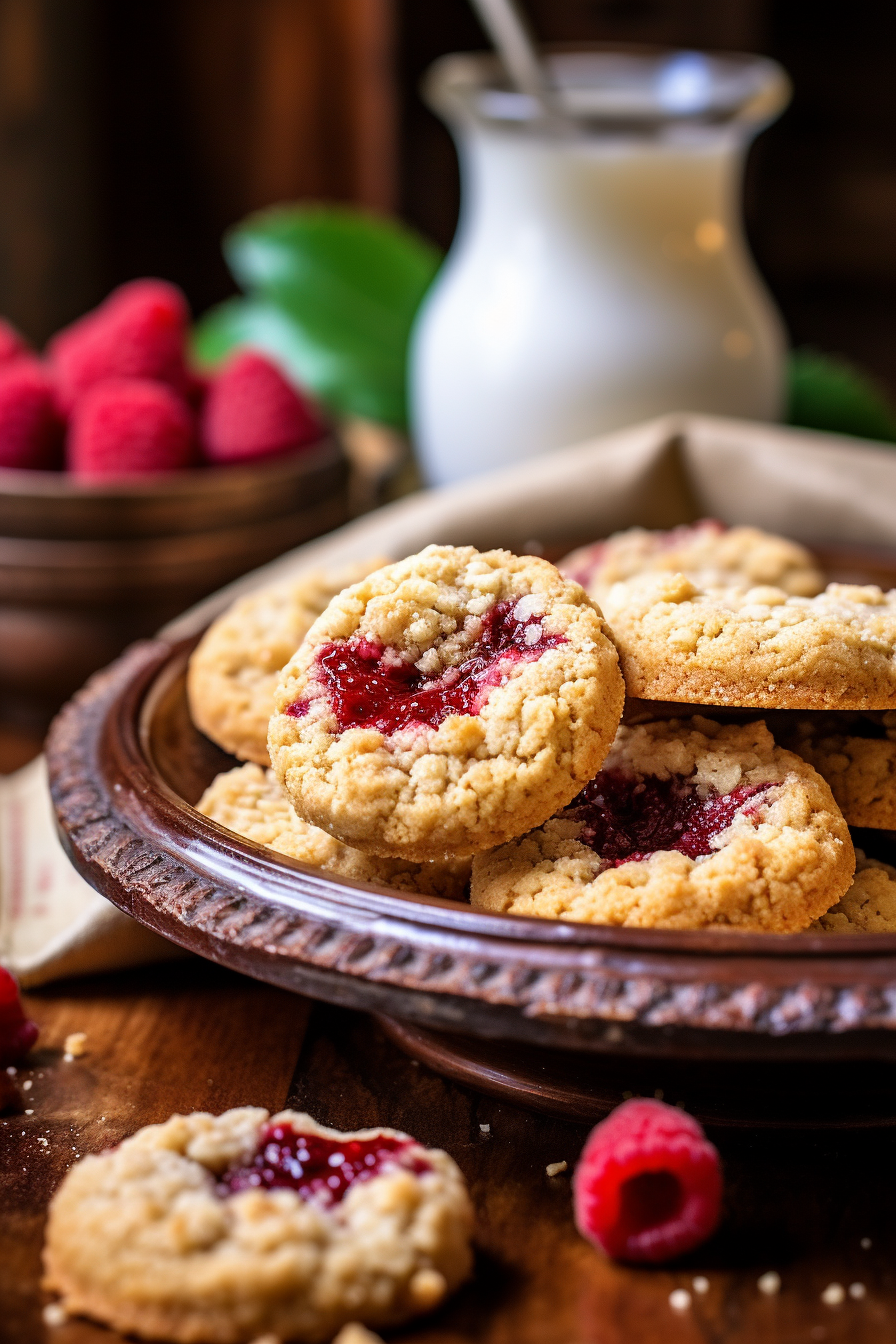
(599, 275)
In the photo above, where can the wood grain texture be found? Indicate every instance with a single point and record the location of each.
(175, 1038)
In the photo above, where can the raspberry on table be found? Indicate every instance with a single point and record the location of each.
(139, 331)
(130, 425)
(31, 428)
(17, 1032)
(252, 410)
(648, 1186)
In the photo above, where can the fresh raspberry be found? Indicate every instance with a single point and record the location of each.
(252, 411)
(12, 345)
(130, 425)
(30, 425)
(648, 1186)
(139, 331)
(17, 1032)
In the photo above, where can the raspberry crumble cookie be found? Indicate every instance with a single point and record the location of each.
(755, 647)
(446, 703)
(250, 802)
(226, 1228)
(708, 552)
(869, 905)
(690, 825)
(235, 666)
(856, 754)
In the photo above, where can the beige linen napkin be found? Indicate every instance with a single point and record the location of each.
(52, 923)
(813, 487)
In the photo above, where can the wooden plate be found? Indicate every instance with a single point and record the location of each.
(126, 764)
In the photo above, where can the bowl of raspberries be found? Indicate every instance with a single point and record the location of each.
(133, 483)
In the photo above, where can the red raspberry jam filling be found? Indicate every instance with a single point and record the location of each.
(319, 1168)
(367, 689)
(625, 818)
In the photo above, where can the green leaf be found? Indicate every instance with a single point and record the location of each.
(332, 375)
(828, 393)
(351, 284)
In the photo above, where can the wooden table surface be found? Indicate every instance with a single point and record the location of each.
(187, 1035)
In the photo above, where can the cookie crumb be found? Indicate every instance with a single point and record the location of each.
(833, 1295)
(485, 1129)
(700, 1284)
(26, 1086)
(857, 1291)
(353, 1333)
(865, 1243)
(427, 1287)
(75, 1044)
(555, 1168)
(31, 1112)
(769, 1283)
(679, 1299)
(54, 1313)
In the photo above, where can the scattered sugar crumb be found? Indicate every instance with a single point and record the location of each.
(679, 1299)
(555, 1168)
(67, 1058)
(858, 1291)
(865, 1243)
(356, 1334)
(11, 1070)
(833, 1295)
(75, 1044)
(45, 1142)
(769, 1283)
(26, 1086)
(31, 1112)
(485, 1129)
(701, 1284)
(55, 1314)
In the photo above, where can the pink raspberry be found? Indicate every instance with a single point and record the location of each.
(140, 331)
(127, 426)
(648, 1186)
(30, 425)
(12, 345)
(252, 411)
(17, 1032)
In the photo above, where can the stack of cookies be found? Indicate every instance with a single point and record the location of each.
(461, 717)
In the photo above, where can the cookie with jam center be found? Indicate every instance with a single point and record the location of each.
(243, 1225)
(690, 824)
(446, 703)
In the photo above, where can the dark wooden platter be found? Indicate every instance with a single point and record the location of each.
(126, 764)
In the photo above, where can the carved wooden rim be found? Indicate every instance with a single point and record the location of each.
(434, 961)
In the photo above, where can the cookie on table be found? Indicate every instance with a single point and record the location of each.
(690, 825)
(226, 1228)
(869, 905)
(248, 801)
(755, 647)
(856, 754)
(708, 552)
(446, 703)
(234, 668)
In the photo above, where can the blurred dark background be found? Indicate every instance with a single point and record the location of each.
(132, 134)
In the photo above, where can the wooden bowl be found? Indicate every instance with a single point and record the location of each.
(87, 568)
(564, 1016)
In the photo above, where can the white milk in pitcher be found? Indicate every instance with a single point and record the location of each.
(599, 275)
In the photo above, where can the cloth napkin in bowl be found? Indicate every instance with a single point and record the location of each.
(809, 486)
